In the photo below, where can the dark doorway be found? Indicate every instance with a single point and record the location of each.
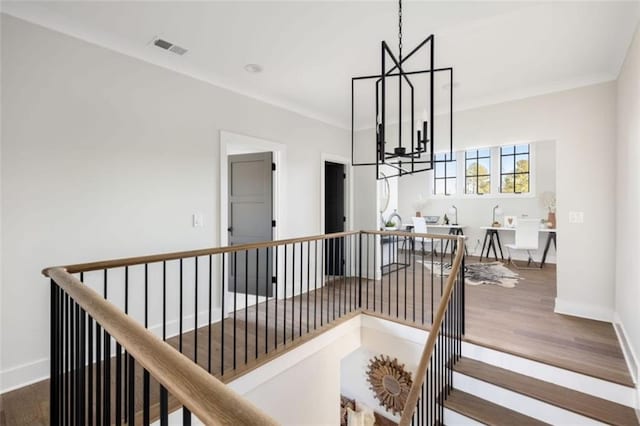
(251, 220)
(334, 216)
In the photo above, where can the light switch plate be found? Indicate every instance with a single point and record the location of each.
(576, 217)
(197, 220)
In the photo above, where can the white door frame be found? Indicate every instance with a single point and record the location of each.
(235, 143)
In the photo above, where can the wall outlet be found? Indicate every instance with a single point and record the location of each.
(197, 220)
(576, 217)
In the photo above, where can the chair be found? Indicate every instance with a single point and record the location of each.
(526, 239)
(420, 227)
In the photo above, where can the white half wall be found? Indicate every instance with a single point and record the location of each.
(627, 267)
(106, 156)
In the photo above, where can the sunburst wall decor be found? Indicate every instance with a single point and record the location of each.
(390, 382)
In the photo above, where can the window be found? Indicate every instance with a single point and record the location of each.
(477, 171)
(514, 169)
(444, 175)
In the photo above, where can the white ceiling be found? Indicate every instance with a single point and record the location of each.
(310, 50)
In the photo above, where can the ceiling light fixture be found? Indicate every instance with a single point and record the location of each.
(413, 149)
(253, 68)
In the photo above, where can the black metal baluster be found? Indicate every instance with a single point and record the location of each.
(333, 276)
(308, 279)
(431, 272)
(257, 291)
(413, 296)
(126, 366)
(107, 379)
(210, 313)
(301, 292)
(75, 407)
(315, 284)
(367, 273)
(132, 391)
(118, 355)
(235, 310)
(60, 357)
(404, 243)
(246, 305)
(90, 373)
(293, 291)
(222, 315)
(268, 285)
(83, 361)
(195, 312)
(397, 246)
(347, 273)
(67, 398)
(389, 275)
(360, 271)
(275, 329)
(53, 375)
(180, 311)
(322, 281)
(164, 397)
(375, 269)
(340, 276)
(284, 304)
(145, 373)
(98, 398)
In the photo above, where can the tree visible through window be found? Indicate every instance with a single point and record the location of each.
(444, 174)
(477, 171)
(514, 169)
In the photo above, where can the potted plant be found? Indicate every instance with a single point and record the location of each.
(548, 201)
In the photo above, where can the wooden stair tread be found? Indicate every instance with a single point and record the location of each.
(568, 399)
(486, 412)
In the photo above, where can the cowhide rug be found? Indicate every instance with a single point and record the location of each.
(480, 273)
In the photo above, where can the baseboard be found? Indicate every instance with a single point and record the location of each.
(173, 326)
(32, 372)
(628, 350)
(583, 310)
(24, 375)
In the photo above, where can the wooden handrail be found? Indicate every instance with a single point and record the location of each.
(421, 371)
(139, 260)
(205, 396)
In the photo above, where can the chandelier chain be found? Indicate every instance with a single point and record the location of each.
(400, 27)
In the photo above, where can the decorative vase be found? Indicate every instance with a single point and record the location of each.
(551, 218)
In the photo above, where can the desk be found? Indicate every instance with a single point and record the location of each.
(492, 235)
(453, 230)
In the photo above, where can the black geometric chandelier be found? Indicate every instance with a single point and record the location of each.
(410, 148)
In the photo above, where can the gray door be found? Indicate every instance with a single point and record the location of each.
(250, 220)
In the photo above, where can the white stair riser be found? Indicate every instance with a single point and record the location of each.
(520, 403)
(569, 379)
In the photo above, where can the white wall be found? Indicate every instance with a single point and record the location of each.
(477, 211)
(582, 122)
(627, 280)
(106, 156)
(395, 343)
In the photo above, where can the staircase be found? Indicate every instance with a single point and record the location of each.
(494, 388)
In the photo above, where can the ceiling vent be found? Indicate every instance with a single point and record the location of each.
(166, 45)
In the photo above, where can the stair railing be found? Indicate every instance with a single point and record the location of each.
(133, 340)
(433, 379)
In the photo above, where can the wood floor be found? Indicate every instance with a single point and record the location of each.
(519, 320)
